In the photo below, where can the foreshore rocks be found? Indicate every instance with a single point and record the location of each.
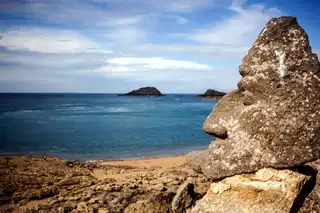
(144, 91)
(30, 184)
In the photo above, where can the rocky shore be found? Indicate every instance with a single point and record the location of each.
(265, 158)
(31, 184)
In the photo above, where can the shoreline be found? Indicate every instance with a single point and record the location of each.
(163, 162)
(99, 160)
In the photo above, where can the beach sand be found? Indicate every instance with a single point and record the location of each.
(164, 163)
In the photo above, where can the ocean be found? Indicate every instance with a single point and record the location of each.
(102, 126)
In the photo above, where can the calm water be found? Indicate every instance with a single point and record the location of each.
(101, 126)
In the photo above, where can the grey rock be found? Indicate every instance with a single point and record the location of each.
(183, 198)
(273, 118)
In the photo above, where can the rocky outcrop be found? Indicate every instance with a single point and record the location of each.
(266, 191)
(273, 118)
(145, 91)
(212, 93)
(184, 197)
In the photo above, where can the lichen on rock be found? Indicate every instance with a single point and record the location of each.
(273, 118)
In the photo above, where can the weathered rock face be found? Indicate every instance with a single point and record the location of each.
(183, 198)
(273, 119)
(145, 91)
(266, 191)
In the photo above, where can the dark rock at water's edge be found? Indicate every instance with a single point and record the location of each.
(144, 91)
(212, 93)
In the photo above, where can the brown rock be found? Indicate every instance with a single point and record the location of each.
(273, 119)
(266, 191)
(183, 198)
(159, 203)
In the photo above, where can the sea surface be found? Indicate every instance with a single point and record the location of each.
(102, 126)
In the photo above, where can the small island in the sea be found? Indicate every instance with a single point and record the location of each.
(144, 91)
(212, 94)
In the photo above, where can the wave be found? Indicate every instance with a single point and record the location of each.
(22, 111)
(118, 109)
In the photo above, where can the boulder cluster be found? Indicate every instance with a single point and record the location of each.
(266, 130)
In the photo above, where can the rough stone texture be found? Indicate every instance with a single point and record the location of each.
(30, 184)
(266, 191)
(273, 119)
(312, 201)
(144, 91)
(184, 197)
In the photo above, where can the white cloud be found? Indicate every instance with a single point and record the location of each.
(238, 30)
(56, 62)
(132, 64)
(164, 5)
(227, 51)
(126, 35)
(48, 41)
(139, 32)
(128, 20)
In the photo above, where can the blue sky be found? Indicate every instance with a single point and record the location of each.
(179, 46)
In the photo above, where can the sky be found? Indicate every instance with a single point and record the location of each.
(115, 46)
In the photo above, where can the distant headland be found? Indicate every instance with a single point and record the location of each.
(212, 94)
(144, 91)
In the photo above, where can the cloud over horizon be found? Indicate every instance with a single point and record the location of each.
(180, 46)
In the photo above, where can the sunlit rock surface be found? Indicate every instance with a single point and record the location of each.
(266, 191)
(273, 118)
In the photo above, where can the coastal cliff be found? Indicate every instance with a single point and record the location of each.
(144, 91)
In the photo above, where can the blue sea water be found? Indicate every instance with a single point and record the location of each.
(102, 126)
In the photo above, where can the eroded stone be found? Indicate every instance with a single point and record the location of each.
(273, 118)
(266, 191)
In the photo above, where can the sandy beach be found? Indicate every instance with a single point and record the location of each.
(164, 162)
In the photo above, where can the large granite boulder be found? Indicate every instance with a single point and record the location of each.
(273, 118)
(144, 91)
(266, 191)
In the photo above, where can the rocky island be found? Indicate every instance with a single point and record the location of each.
(265, 158)
(212, 94)
(144, 91)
